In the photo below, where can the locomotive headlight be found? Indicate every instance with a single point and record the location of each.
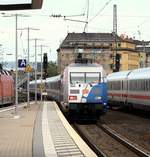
(72, 97)
(98, 98)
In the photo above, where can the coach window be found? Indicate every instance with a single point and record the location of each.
(146, 85)
(133, 85)
(122, 85)
(145, 88)
(142, 82)
(110, 85)
(118, 85)
(125, 85)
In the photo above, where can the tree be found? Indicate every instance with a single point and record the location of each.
(52, 69)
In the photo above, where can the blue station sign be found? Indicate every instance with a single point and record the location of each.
(22, 63)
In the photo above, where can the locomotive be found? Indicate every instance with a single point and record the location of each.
(6, 88)
(130, 88)
(81, 90)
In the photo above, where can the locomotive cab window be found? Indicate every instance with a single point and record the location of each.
(92, 77)
(85, 77)
(77, 78)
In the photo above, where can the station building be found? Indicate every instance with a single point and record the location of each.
(101, 48)
(144, 56)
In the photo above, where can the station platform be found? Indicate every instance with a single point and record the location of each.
(40, 131)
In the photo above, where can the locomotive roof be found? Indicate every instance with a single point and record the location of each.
(85, 65)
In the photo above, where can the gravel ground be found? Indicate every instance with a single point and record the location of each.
(136, 129)
(104, 142)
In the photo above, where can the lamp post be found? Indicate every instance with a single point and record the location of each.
(41, 46)
(28, 79)
(35, 40)
(16, 59)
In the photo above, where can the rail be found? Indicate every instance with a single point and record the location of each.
(124, 142)
(89, 142)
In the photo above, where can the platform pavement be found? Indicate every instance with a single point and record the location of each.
(16, 134)
(39, 132)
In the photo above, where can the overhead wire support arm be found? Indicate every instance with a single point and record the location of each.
(64, 16)
(67, 19)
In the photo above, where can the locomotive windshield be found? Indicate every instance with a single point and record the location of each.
(77, 77)
(85, 77)
(92, 77)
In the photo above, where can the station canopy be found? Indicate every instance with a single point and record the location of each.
(20, 4)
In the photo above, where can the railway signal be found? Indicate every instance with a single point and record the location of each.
(45, 61)
(117, 62)
(45, 64)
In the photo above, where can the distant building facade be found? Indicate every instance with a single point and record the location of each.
(144, 48)
(101, 48)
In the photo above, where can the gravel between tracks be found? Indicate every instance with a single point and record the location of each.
(108, 145)
(135, 129)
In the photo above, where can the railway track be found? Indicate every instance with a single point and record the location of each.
(107, 143)
(134, 128)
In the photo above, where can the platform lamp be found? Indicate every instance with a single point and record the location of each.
(16, 59)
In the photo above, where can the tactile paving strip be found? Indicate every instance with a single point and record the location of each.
(63, 143)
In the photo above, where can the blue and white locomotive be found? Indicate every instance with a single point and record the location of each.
(81, 90)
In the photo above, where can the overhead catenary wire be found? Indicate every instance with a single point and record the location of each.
(22, 44)
(106, 4)
(87, 15)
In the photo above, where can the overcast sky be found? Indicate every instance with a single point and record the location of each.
(133, 20)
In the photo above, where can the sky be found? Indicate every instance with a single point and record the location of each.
(133, 20)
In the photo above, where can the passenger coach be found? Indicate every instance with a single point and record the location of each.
(130, 88)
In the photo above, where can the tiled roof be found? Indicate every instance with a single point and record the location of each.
(90, 37)
(73, 38)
